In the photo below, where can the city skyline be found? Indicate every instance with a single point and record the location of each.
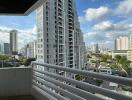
(103, 27)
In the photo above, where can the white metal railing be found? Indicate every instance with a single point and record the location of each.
(59, 88)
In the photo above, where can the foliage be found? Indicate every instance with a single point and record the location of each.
(4, 57)
(79, 77)
(105, 57)
(93, 61)
(28, 61)
(9, 61)
(99, 82)
(119, 63)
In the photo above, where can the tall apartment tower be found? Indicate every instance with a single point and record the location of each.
(122, 43)
(6, 48)
(60, 40)
(13, 42)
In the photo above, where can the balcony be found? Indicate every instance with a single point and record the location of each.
(34, 82)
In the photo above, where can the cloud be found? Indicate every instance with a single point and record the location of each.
(94, 36)
(106, 26)
(100, 13)
(101, 38)
(24, 36)
(125, 8)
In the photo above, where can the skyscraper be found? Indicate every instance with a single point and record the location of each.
(96, 48)
(121, 43)
(13, 42)
(60, 40)
(6, 48)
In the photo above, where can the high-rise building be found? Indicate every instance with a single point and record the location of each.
(122, 43)
(0, 48)
(29, 50)
(95, 48)
(60, 40)
(13, 42)
(6, 48)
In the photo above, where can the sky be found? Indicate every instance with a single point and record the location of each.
(101, 21)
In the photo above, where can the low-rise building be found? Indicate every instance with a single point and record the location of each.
(119, 52)
(129, 55)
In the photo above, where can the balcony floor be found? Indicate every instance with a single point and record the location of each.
(25, 97)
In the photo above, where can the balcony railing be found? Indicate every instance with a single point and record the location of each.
(63, 88)
(47, 85)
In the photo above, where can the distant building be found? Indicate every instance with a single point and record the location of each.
(1, 48)
(6, 48)
(129, 55)
(130, 42)
(119, 52)
(13, 42)
(29, 50)
(122, 43)
(95, 48)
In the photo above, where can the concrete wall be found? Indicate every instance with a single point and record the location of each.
(15, 81)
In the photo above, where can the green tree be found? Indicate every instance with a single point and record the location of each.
(123, 63)
(28, 61)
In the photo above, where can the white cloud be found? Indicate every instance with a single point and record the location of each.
(105, 25)
(96, 13)
(86, 35)
(109, 26)
(24, 36)
(125, 8)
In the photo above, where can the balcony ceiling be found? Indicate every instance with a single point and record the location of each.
(18, 7)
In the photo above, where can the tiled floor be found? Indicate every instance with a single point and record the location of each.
(27, 97)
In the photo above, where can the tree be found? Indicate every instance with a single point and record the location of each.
(28, 61)
(105, 57)
(123, 63)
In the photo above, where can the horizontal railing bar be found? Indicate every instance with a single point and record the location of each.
(89, 87)
(43, 93)
(59, 90)
(50, 92)
(111, 78)
(82, 93)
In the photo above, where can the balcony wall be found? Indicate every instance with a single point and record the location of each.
(15, 81)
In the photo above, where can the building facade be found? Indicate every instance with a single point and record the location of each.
(13, 42)
(129, 53)
(60, 40)
(1, 48)
(119, 52)
(6, 48)
(95, 48)
(29, 50)
(122, 43)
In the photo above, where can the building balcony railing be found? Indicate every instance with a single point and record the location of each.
(47, 85)
(58, 86)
